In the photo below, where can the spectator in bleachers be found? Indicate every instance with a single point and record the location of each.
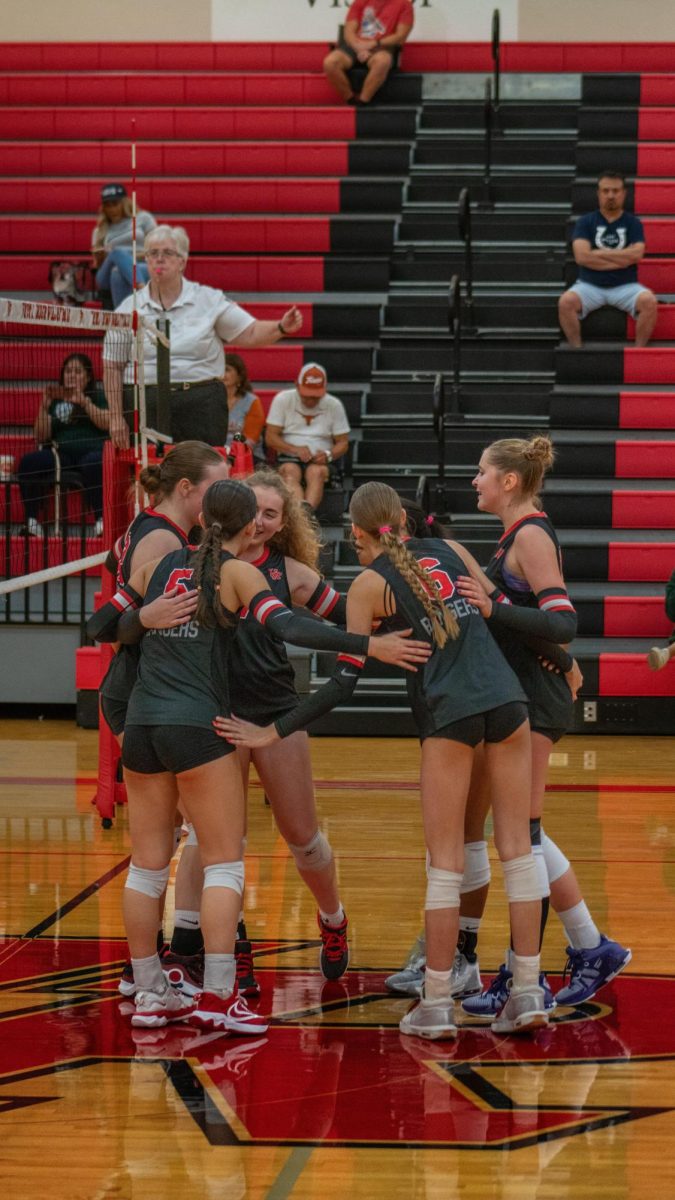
(246, 413)
(112, 243)
(202, 319)
(608, 244)
(373, 35)
(73, 418)
(309, 430)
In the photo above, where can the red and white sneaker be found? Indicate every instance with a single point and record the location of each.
(186, 973)
(232, 1015)
(160, 1008)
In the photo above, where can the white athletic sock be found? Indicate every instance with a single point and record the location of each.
(580, 927)
(525, 971)
(333, 919)
(219, 974)
(148, 974)
(436, 985)
(186, 918)
(469, 924)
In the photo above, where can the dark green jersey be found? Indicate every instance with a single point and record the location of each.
(469, 675)
(183, 672)
(549, 697)
(262, 680)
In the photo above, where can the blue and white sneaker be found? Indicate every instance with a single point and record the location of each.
(491, 1002)
(589, 970)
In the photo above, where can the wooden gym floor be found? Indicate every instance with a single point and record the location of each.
(334, 1100)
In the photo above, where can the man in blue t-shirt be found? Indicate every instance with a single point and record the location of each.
(608, 244)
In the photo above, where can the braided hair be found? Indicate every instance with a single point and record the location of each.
(228, 506)
(376, 508)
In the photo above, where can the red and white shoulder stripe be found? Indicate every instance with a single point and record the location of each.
(555, 600)
(325, 602)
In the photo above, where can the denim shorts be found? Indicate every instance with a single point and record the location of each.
(623, 297)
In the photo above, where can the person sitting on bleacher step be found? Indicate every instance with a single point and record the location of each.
(374, 33)
(309, 430)
(608, 244)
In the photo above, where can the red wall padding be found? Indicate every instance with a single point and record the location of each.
(650, 364)
(207, 235)
(656, 124)
(658, 89)
(656, 273)
(660, 235)
(202, 124)
(249, 274)
(178, 195)
(643, 510)
(647, 410)
(657, 160)
(175, 158)
(629, 675)
(654, 197)
(637, 561)
(635, 616)
(652, 460)
(664, 330)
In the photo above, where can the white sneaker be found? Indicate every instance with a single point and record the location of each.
(658, 658)
(523, 1010)
(34, 527)
(98, 528)
(465, 979)
(430, 1019)
(159, 1008)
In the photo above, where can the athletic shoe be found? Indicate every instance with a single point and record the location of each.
(430, 1019)
(523, 1010)
(127, 984)
(34, 527)
(159, 1008)
(410, 979)
(184, 972)
(589, 970)
(247, 984)
(465, 979)
(334, 958)
(231, 1015)
(492, 1000)
(658, 658)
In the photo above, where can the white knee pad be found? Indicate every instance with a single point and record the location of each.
(556, 863)
(191, 837)
(442, 888)
(150, 883)
(542, 873)
(316, 855)
(476, 867)
(520, 878)
(225, 875)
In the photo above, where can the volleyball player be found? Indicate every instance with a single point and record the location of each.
(464, 694)
(169, 742)
(285, 549)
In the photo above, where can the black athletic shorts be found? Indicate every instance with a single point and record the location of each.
(495, 725)
(393, 51)
(553, 735)
(152, 749)
(115, 713)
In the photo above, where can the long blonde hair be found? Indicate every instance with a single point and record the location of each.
(103, 224)
(299, 538)
(376, 509)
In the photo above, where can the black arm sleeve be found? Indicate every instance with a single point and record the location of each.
(130, 628)
(102, 625)
(555, 624)
(337, 690)
(328, 604)
(542, 647)
(287, 626)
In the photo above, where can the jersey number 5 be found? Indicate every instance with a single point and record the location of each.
(181, 578)
(444, 584)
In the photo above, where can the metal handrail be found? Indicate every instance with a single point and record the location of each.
(455, 327)
(488, 123)
(464, 222)
(496, 46)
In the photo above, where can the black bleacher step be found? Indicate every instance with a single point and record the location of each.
(469, 114)
(595, 407)
(427, 188)
(621, 154)
(367, 195)
(417, 404)
(499, 225)
(579, 502)
(485, 354)
(400, 88)
(594, 362)
(610, 89)
(495, 312)
(608, 123)
(426, 266)
(379, 157)
(382, 122)
(356, 273)
(512, 152)
(346, 321)
(357, 234)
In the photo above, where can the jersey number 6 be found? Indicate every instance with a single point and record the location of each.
(181, 578)
(444, 584)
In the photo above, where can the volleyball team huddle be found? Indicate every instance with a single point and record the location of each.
(201, 686)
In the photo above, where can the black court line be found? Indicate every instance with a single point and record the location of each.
(77, 900)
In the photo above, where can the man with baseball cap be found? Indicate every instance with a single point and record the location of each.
(308, 429)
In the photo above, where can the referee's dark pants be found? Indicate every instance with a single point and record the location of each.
(196, 410)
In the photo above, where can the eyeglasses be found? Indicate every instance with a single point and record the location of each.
(162, 254)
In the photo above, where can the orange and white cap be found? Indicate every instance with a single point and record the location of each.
(312, 380)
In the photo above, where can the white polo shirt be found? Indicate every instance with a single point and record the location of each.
(202, 319)
(303, 426)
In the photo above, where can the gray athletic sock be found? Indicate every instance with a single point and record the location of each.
(219, 974)
(148, 974)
